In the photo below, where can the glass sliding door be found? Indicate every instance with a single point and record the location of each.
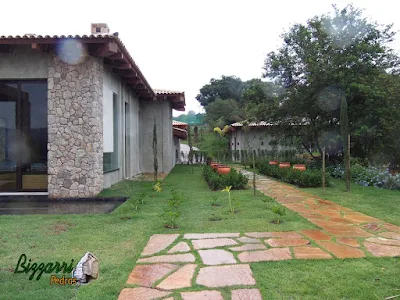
(8, 136)
(23, 123)
(34, 135)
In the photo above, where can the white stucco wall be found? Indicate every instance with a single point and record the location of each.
(128, 148)
(161, 113)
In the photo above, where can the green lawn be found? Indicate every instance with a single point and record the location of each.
(117, 241)
(379, 203)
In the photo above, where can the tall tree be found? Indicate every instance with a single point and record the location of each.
(228, 87)
(330, 55)
(344, 126)
(222, 112)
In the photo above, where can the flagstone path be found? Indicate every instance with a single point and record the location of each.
(217, 261)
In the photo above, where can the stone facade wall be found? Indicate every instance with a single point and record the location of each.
(75, 118)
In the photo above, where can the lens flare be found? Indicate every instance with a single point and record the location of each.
(329, 99)
(71, 51)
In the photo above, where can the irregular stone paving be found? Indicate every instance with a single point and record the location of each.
(216, 257)
(180, 247)
(158, 242)
(202, 295)
(180, 279)
(223, 276)
(246, 294)
(220, 261)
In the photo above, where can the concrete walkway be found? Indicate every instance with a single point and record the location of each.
(220, 261)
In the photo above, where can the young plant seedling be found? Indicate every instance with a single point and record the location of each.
(228, 190)
(279, 211)
(214, 201)
(268, 201)
(141, 197)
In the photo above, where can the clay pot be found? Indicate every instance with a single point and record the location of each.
(284, 165)
(274, 162)
(214, 165)
(223, 169)
(300, 167)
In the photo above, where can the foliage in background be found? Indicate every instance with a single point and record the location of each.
(368, 176)
(190, 118)
(172, 213)
(216, 182)
(336, 54)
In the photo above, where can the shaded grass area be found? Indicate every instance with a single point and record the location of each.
(365, 278)
(379, 203)
(117, 239)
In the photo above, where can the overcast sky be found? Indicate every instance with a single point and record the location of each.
(182, 44)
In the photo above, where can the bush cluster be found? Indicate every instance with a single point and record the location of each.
(217, 182)
(308, 178)
(368, 176)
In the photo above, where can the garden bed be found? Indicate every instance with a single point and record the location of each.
(308, 178)
(217, 181)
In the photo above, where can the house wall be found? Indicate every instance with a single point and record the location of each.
(128, 149)
(161, 112)
(253, 138)
(75, 135)
(24, 63)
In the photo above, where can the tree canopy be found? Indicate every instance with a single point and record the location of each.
(332, 56)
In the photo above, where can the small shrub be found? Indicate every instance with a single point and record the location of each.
(268, 201)
(279, 212)
(217, 182)
(370, 176)
(308, 178)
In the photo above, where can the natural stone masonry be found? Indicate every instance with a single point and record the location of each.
(75, 128)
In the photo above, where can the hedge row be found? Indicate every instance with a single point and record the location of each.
(217, 182)
(308, 178)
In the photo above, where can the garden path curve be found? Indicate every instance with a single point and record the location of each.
(219, 261)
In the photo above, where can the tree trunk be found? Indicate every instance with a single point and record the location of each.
(323, 172)
(254, 175)
(348, 175)
(308, 150)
